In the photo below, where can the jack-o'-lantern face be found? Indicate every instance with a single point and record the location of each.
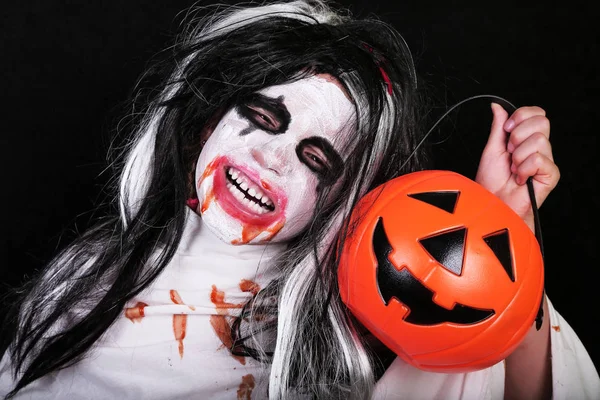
(441, 271)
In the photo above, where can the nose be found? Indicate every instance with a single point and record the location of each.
(276, 157)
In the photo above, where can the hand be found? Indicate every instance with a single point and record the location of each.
(507, 163)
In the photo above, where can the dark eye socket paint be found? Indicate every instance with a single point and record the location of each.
(320, 157)
(266, 113)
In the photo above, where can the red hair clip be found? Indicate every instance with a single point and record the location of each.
(384, 75)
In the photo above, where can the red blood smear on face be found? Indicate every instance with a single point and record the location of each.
(265, 185)
(210, 196)
(210, 168)
(250, 231)
(273, 230)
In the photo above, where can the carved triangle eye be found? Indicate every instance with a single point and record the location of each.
(447, 248)
(443, 200)
(499, 242)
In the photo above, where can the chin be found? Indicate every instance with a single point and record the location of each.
(232, 231)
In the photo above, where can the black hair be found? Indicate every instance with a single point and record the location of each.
(203, 75)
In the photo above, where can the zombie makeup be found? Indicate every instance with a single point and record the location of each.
(259, 173)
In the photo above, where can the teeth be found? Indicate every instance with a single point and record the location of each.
(251, 189)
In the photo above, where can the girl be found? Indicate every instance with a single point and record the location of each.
(216, 278)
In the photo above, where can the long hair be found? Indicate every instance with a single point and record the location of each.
(220, 60)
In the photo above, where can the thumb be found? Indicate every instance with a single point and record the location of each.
(498, 136)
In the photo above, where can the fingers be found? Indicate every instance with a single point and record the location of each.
(497, 139)
(522, 114)
(542, 169)
(526, 128)
(536, 143)
(530, 148)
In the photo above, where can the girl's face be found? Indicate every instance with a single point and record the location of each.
(259, 173)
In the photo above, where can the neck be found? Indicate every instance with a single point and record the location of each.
(198, 239)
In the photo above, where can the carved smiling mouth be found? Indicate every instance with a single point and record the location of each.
(247, 192)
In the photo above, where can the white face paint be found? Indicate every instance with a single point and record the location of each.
(258, 173)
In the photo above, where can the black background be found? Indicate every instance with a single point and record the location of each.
(67, 68)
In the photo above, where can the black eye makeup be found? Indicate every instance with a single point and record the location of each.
(321, 158)
(266, 113)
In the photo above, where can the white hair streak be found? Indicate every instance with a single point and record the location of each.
(43, 301)
(352, 356)
(352, 360)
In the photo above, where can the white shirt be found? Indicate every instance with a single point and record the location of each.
(167, 350)
(171, 342)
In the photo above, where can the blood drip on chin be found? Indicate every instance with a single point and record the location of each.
(250, 232)
(136, 313)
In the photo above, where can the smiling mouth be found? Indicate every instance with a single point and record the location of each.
(247, 192)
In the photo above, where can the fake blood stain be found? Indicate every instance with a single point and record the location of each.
(179, 322)
(253, 223)
(210, 196)
(136, 313)
(250, 232)
(265, 185)
(210, 168)
(249, 286)
(221, 322)
(245, 389)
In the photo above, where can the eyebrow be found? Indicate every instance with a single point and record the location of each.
(274, 106)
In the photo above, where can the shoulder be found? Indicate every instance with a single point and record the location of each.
(403, 381)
